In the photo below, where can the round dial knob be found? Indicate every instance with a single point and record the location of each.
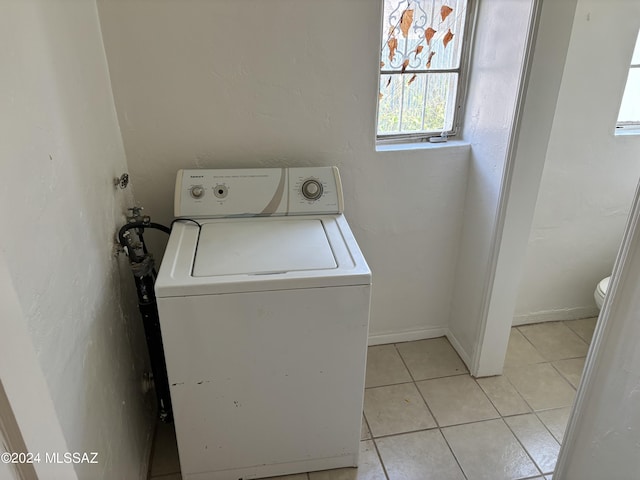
(312, 189)
(197, 191)
(220, 190)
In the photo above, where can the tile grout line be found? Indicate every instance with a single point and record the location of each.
(545, 425)
(413, 380)
(502, 417)
(550, 362)
(390, 435)
(564, 377)
(577, 334)
(580, 339)
(464, 474)
(384, 467)
(518, 391)
(557, 371)
(533, 410)
(453, 453)
(514, 389)
(415, 384)
(375, 446)
(530, 342)
(535, 464)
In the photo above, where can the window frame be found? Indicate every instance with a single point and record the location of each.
(461, 91)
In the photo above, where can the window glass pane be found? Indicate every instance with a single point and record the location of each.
(440, 102)
(389, 104)
(416, 48)
(421, 54)
(427, 104)
(630, 108)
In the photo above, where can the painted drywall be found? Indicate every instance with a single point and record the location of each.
(238, 83)
(60, 152)
(551, 30)
(602, 439)
(25, 401)
(589, 174)
(490, 113)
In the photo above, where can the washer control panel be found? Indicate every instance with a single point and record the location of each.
(258, 192)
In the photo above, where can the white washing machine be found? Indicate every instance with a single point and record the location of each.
(264, 312)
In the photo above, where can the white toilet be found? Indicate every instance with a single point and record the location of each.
(601, 291)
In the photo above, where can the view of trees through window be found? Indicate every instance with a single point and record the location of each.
(420, 59)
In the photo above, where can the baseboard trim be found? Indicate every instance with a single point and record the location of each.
(556, 315)
(409, 336)
(464, 356)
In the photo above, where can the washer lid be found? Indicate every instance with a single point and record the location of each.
(258, 247)
(341, 263)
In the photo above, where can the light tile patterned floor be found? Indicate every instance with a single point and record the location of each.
(426, 418)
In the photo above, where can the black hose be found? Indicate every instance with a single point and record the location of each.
(131, 225)
(144, 273)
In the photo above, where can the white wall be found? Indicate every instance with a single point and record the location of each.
(489, 118)
(551, 30)
(60, 151)
(603, 436)
(28, 420)
(237, 83)
(589, 173)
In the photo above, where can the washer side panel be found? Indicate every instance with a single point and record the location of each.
(266, 378)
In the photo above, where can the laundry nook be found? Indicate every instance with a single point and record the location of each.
(319, 240)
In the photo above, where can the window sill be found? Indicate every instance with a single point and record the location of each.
(399, 147)
(624, 132)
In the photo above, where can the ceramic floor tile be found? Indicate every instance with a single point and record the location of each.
(455, 400)
(365, 433)
(431, 358)
(165, 451)
(541, 386)
(556, 421)
(396, 409)
(520, 351)
(554, 340)
(488, 450)
(584, 327)
(503, 395)
(418, 456)
(369, 467)
(536, 439)
(385, 367)
(571, 369)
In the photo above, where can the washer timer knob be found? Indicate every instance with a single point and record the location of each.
(312, 189)
(197, 191)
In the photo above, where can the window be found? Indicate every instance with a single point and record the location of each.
(629, 114)
(423, 65)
